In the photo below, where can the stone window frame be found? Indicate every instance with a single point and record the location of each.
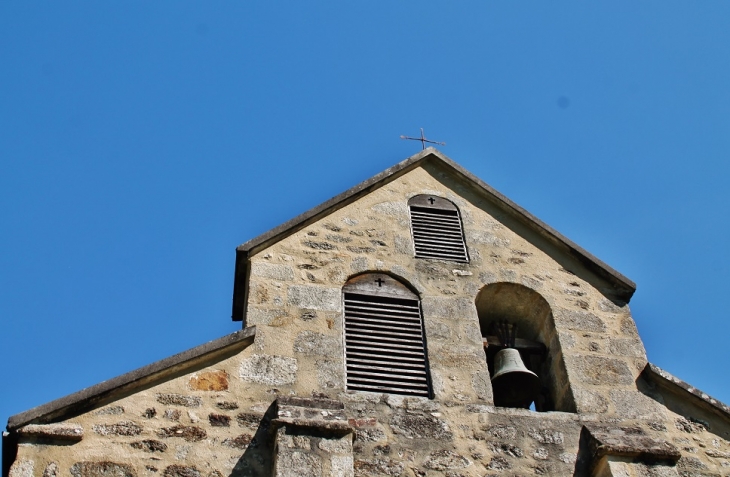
(443, 242)
(404, 365)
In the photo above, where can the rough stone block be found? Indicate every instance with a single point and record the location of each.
(342, 466)
(361, 250)
(414, 426)
(316, 425)
(181, 471)
(372, 434)
(433, 271)
(448, 309)
(395, 209)
(122, 428)
(330, 374)
(626, 347)
(149, 445)
(590, 402)
(458, 356)
(315, 297)
(611, 307)
(546, 436)
(579, 321)
(499, 463)
(219, 420)
(51, 470)
(227, 405)
(271, 270)
(22, 468)
(437, 330)
(446, 460)
(378, 467)
(359, 264)
(628, 327)
(645, 470)
(296, 464)
(271, 370)
(317, 344)
(215, 380)
(265, 316)
(501, 431)
(189, 433)
(633, 404)
(627, 443)
(338, 238)
(248, 420)
(102, 469)
(336, 446)
(566, 340)
(110, 410)
(172, 399)
(319, 245)
(239, 442)
(59, 431)
(482, 385)
(690, 466)
(599, 370)
(486, 237)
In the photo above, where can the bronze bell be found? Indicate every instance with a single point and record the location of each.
(513, 384)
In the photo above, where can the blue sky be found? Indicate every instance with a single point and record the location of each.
(140, 143)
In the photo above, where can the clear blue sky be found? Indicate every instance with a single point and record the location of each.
(140, 143)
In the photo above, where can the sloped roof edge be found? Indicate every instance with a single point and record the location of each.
(667, 380)
(625, 286)
(128, 382)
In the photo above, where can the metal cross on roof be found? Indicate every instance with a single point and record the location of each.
(423, 140)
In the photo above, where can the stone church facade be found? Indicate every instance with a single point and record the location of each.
(371, 329)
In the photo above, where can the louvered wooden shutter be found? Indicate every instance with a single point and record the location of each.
(384, 342)
(436, 229)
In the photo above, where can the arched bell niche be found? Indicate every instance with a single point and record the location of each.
(534, 337)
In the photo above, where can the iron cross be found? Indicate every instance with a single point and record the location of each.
(423, 140)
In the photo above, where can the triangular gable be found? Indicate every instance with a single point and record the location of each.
(621, 287)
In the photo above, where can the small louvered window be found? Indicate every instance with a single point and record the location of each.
(436, 228)
(384, 340)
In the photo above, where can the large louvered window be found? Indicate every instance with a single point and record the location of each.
(384, 342)
(436, 228)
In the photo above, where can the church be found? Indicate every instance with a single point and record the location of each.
(420, 324)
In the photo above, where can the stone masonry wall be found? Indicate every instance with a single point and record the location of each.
(218, 421)
(296, 297)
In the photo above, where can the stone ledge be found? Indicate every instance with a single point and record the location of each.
(632, 443)
(321, 415)
(318, 403)
(336, 427)
(61, 431)
(550, 415)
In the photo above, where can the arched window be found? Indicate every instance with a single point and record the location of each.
(533, 335)
(436, 228)
(384, 340)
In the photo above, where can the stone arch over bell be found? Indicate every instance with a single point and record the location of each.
(536, 338)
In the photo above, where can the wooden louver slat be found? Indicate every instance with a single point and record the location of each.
(437, 233)
(384, 346)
